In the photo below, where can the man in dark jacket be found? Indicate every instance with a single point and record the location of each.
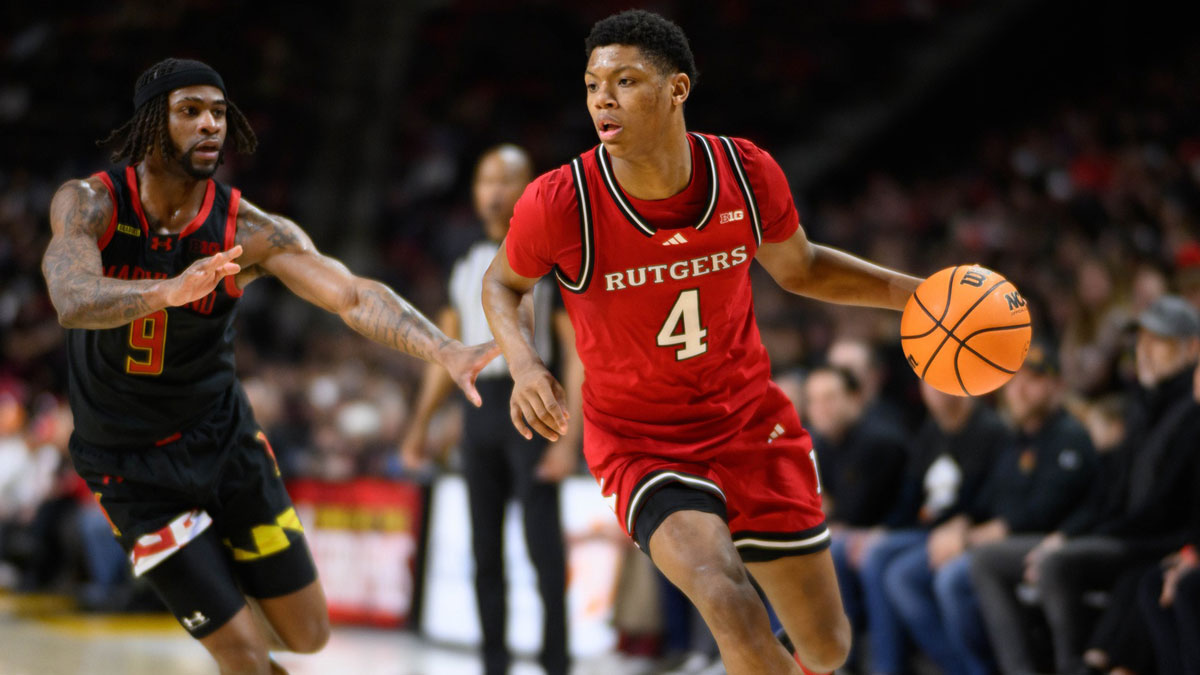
(1030, 488)
(1142, 516)
(859, 456)
(949, 461)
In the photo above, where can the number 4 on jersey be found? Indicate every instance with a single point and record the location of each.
(682, 327)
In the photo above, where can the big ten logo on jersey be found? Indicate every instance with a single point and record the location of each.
(730, 216)
(203, 247)
(678, 270)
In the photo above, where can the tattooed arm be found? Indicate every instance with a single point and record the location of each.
(279, 247)
(83, 297)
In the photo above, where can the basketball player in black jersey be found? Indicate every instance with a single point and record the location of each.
(145, 267)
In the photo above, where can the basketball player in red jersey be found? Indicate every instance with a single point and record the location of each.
(703, 458)
(145, 268)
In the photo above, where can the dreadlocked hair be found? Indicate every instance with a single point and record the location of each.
(148, 126)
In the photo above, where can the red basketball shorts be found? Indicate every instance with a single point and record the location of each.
(765, 475)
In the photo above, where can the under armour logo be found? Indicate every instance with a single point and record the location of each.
(194, 621)
(165, 242)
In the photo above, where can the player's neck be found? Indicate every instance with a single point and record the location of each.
(664, 171)
(170, 199)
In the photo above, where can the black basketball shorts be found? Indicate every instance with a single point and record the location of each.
(203, 515)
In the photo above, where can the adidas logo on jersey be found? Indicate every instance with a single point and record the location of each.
(776, 433)
(677, 239)
(730, 216)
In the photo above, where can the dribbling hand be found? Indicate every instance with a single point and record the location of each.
(201, 277)
(538, 401)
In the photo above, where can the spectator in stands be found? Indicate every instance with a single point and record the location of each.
(1156, 496)
(1170, 604)
(1030, 489)
(949, 462)
(1170, 599)
(862, 359)
(997, 568)
(1132, 641)
(498, 463)
(860, 457)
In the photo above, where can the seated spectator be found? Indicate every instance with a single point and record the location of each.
(859, 459)
(949, 461)
(859, 456)
(1031, 488)
(997, 569)
(1147, 511)
(862, 359)
(1135, 641)
(1169, 599)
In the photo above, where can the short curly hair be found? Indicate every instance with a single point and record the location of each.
(658, 37)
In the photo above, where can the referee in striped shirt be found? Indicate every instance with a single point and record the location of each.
(498, 463)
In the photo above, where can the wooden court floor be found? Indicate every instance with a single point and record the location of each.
(44, 635)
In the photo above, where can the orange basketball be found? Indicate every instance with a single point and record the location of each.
(965, 330)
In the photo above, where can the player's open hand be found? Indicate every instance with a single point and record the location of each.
(201, 277)
(538, 401)
(464, 362)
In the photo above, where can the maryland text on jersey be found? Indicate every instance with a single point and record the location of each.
(678, 270)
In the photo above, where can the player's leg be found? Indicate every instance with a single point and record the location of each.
(265, 539)
(489, 486)
(299, 619)
(239, 646)
(803, 590)
(544, 541)
(691, 545)
(175, 548)
(197, 584)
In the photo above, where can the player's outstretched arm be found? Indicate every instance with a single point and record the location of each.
(436, 385)
(538, 400)
(279, 247)
(83, 297)
(826, 273)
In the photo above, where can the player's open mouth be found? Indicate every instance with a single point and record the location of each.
(608, 129)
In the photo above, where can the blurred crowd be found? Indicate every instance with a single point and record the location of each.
(1066, 496)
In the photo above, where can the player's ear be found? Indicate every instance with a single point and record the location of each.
(681, 87)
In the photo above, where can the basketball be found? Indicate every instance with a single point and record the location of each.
(965, 330)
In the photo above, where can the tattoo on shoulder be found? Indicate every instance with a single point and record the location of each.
(282, 237)
(80, 209)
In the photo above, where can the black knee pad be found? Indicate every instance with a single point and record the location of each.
(668, 499)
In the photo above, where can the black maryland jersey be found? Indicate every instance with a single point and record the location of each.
(143, 382)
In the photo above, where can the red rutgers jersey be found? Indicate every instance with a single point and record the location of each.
(677, 385)
(663, 315)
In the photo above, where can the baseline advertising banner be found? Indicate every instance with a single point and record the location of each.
(364, 536)
(595, 546)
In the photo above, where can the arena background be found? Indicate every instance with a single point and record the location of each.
(1057, 142)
